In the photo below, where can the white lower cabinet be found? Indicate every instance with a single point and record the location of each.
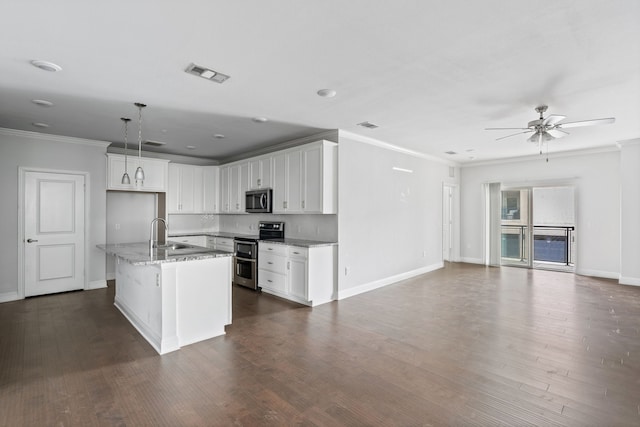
(304, 275)
(223, 244)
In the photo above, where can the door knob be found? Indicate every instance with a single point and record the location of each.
(31, 240)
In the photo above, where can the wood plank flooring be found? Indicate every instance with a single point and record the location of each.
(465, 345)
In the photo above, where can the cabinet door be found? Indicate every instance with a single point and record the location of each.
(188, 192)
(173, 189)
(280, 183)
(210, 189)
(234, 188)
(224, 189)
(294, 181)
(244, 185)
(260, 173)
(155, 175)
(313, 188)
(298, 278)
(267, 172)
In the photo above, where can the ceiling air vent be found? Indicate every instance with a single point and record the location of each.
(450, 152)
(154, 143)
(368, 125)
(206, 73)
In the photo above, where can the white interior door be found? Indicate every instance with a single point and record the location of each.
(447, 222)
(54, 232)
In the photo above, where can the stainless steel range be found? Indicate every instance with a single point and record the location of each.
(245, 264)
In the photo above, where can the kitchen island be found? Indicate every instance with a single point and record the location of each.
(174, 295)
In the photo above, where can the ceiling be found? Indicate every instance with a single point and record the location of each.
(432, 75)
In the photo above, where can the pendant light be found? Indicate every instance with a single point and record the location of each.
(125, 178)
(139, 172)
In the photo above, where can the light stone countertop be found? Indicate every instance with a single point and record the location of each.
(291, 242)
(138, 253)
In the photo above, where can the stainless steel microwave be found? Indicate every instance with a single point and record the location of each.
(258, 201)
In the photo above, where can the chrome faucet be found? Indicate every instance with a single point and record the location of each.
(151, 241)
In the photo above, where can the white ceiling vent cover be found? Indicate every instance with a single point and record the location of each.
(154, 143)
(206, 73)
(368, 125)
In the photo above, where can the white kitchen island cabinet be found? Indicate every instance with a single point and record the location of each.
(173, 299)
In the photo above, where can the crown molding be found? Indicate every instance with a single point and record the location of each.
(329, 135)
(556, 155)
(53, 138)
(396, 148)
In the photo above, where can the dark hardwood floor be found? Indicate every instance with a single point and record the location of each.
(465, 345)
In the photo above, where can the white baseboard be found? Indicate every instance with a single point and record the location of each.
(8, 296)
(633, 281)
(96, 284)
(598, 273)
(472, 260)
(387, 281)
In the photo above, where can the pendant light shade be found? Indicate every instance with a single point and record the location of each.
(125, 178)
(139, 176)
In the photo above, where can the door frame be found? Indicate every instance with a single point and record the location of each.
(455, 221)
(22, 171)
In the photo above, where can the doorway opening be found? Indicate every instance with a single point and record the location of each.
(538, 227)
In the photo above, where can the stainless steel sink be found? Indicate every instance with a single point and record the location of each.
(174, 246)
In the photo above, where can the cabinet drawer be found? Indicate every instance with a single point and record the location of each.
(273, 248)
(270, 280)
(272, 262)
(224, 244)
(211, 242)
(298, 252)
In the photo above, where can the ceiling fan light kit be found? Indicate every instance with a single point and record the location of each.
(548, 128)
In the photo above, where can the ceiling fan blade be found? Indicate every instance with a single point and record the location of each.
(552, 120)
(557, 133)
(506, 129)
(514, 134)
(592, 122)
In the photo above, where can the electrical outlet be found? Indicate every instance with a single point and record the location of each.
(424, 254)
(346, 271)
(117, 226)
(317, 231)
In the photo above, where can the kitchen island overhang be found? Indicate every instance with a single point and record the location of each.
(173, 297)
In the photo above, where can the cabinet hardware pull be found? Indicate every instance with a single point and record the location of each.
(296, 253)
(270, 281)
(269, 263)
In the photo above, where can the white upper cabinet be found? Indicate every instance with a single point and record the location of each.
(210, 178)
(305, 179)
(192, 189)
(260, 172)
(155, 171)
(234, 182)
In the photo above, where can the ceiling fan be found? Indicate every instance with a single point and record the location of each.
(548, 128)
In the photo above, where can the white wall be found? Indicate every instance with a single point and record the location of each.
(597, 181)
(30, 149)
(630, 212)
(553, 206)
(390, 222)
(129, 215)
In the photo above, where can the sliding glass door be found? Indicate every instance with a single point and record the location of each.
(515, 227)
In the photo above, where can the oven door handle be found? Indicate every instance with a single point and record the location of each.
(245, 259)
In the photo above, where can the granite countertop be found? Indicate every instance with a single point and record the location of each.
(292, 242)
(138, 253)
(300, 242)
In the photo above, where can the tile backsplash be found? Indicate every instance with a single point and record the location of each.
(309, 227)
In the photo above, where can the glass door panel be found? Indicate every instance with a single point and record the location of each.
(515, 234)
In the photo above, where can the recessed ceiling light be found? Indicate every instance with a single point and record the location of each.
(42, 102)
(470, 150)
(218, 136)
(368, 125)
(206, 73)
(260, 119)
(163, 131)
(46, 65)
(191, 147)
(326, 93)
(40, 125)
